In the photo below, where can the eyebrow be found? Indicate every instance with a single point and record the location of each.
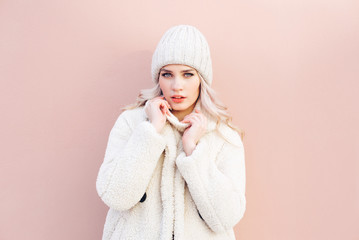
(186, 70)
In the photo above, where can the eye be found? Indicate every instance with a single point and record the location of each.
(188, 74)
(165, 74)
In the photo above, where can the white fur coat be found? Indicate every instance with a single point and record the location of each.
(153, 190)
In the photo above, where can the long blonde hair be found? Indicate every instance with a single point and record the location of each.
(208, 100)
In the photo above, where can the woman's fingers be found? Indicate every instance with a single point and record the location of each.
(162, 99)
(195, 117)
(167, 104)
(161, 108)
(191, 119)
(164, 108)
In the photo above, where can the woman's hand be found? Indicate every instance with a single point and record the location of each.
(193, 133)
(156, 110)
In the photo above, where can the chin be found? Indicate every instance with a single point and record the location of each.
(180, 108)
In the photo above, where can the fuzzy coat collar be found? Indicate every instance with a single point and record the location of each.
(181, 127)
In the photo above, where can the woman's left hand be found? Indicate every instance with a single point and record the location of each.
(194, 132)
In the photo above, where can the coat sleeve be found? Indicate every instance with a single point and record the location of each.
(217, 186)
(130, 160)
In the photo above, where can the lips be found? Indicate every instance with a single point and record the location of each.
(178, 98)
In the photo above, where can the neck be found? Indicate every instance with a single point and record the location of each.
(180, 114)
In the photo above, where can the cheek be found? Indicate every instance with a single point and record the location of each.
(196, 87)
(160, 82)
(197, 92)
(164, 87)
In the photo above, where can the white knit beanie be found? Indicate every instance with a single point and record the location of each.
(183, 44)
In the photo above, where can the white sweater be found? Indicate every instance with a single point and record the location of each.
(153, 190)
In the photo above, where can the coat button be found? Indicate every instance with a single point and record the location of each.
(200, 215)
(144, 197)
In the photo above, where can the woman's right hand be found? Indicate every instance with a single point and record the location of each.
(156, 110)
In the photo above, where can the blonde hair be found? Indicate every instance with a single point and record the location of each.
(208, 100)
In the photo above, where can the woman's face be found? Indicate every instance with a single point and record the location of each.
(181, 80)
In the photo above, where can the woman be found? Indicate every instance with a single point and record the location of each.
(174, 166)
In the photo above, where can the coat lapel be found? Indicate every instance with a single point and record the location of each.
(167, 182)
(172, 182)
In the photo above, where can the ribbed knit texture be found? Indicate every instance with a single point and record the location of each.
(183, 44)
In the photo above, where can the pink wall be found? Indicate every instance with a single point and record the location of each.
(288, 71)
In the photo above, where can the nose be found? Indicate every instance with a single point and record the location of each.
(177, 84)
